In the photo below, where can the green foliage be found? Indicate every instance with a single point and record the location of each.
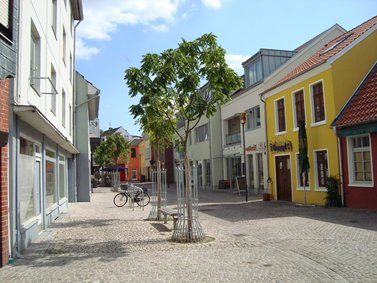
(333, 198)
(169, 83)
(114, 148)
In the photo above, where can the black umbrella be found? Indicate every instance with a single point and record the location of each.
(303, 152)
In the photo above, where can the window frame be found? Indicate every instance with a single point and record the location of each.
(299, 185)
(294, 106)
(7, 31)
(63, 108)
(54, 17)
(253, 118)
(198, 137)
(53, 96)
(350, 159)
(313, 103)
(35, 59)
(278, 131)
(318, 186)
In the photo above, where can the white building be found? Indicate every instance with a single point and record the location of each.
(42, 154)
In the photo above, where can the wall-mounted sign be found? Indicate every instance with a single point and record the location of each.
(261, 146)
(281, 146)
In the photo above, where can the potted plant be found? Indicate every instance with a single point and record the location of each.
(333, 198)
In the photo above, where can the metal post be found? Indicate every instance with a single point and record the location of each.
(243, 121)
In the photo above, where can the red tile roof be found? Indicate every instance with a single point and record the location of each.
(362, 107)
(330, 49)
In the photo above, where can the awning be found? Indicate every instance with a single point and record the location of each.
(32, 116)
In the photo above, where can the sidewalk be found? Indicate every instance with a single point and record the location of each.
(246, 242)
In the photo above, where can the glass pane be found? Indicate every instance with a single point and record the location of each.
(50, 183)
(62, 191)
(26, 185)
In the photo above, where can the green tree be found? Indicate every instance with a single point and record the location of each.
(171, 81)
(112, 150)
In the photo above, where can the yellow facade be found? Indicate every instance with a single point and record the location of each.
(340, 78)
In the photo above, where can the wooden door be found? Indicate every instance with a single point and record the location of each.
(283, 177)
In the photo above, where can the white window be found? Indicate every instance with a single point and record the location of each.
(54, 20)
(321, 168)
(6, 17)
(63, 108)
(280, 115)
(253, 118)
(53, 96)
(360, 161)
(64, 46)
(35, 55)
(299, 176)
(134, 174)
(201, 133)
(70, 119)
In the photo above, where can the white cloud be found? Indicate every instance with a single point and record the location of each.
(83, 51)
(235, 62)
(213, 4)
(160, 28)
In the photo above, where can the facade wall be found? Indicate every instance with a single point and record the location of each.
(339, 82)
(359, 196)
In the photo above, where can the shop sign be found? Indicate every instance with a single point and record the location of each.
(260, 146)
(281, 146)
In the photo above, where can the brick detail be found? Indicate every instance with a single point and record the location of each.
(4, 127)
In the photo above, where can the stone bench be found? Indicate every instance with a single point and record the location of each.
(166, 211)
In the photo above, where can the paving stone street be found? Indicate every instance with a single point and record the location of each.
(257, 241)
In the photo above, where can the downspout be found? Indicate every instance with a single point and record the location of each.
(74, 181)
(340, 169)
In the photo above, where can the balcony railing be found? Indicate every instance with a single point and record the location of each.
(233, 139)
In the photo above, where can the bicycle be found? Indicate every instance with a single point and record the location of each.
(138, 195)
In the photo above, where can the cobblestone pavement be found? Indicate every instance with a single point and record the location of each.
(246, 242)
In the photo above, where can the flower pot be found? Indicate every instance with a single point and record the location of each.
(266, 197)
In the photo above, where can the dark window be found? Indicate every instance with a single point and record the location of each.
(319, 108)
(322, 168)
(133, 152)
(281, 115)
(300, 107)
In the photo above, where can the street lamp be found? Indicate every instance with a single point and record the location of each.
(243, 121)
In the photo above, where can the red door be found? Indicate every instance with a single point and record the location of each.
(283, 177)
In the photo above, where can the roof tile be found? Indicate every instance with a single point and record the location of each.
(330, 49)
(362, 107)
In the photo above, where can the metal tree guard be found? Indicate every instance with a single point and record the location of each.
(187, 230)
(153, 214)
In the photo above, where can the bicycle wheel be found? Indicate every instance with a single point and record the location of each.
(142, 200)
(120, 199)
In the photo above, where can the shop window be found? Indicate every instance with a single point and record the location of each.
(300, 179)
(51, 197)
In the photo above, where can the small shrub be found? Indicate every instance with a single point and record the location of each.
(333, 198)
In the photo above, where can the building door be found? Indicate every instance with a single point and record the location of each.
(283, 177)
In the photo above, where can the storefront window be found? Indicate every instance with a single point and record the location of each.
(51, 197)
(62, 189)
(26, 180)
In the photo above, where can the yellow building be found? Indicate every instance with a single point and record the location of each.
(314, 92)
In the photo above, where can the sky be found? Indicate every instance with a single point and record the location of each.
(115, 34)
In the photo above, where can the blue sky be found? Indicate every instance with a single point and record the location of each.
(115, 34)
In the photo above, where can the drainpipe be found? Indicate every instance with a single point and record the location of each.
(74, 181)
(340, 169)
